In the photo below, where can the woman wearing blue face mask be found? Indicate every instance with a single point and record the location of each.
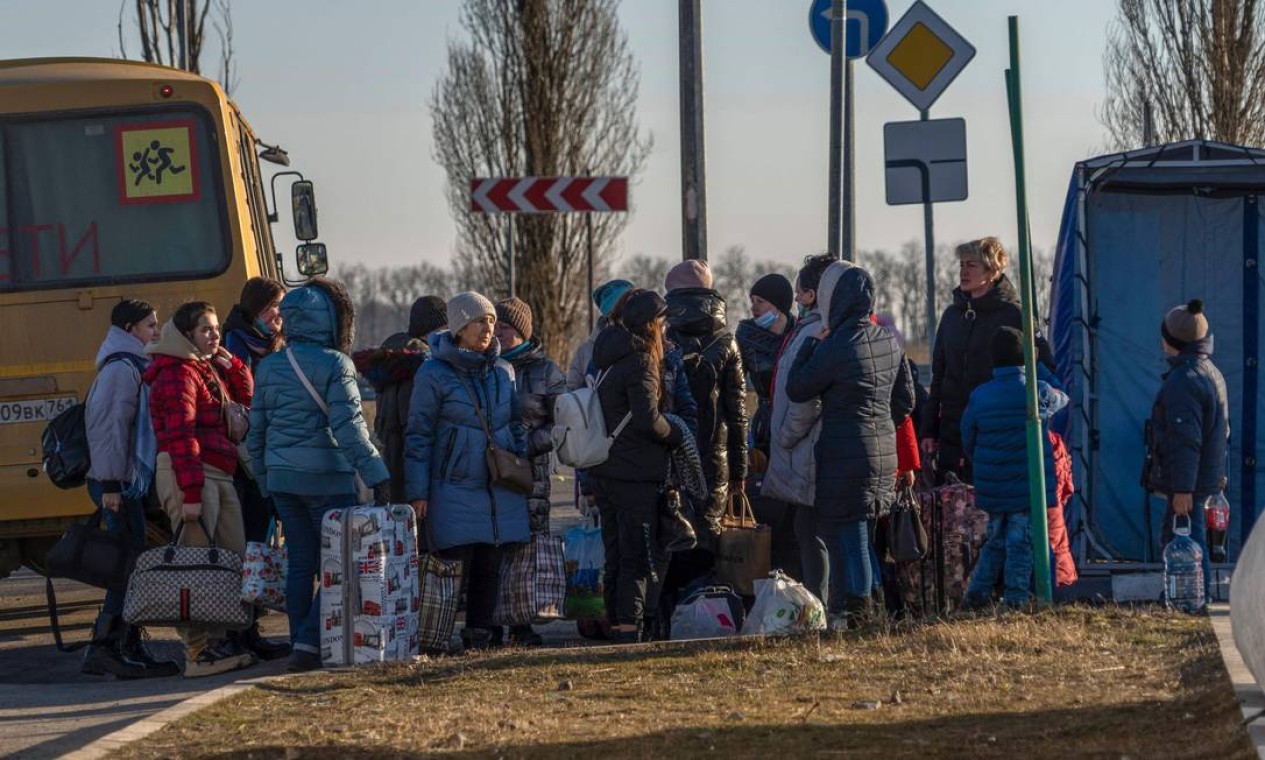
(251, 332)
(253, 328)
(760, 339)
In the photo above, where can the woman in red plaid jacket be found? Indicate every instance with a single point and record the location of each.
(191, 378)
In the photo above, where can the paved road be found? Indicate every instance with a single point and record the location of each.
(48, 708)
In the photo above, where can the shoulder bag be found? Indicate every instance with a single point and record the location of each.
(505, 468)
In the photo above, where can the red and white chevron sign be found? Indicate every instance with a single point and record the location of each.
(548, 195)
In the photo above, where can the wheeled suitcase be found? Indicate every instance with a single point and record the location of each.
(369, 588)
(937, 583)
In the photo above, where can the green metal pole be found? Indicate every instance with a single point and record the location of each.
(1036, 444)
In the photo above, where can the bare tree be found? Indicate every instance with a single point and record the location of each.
(647, 272)
(1198, 64)
(537, 88)
(158, 30)
(383, 297)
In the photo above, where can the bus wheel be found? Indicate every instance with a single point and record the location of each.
(10, 557)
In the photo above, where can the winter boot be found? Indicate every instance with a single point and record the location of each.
(132, 646)
(524, 636)
(251, 640)
(103, 654)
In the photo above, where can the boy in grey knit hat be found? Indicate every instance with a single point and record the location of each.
(1190, 428)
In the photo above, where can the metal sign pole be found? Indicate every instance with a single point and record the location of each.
(839, 10)
(693, 162)
(509, 251)
(929, 251)
(849, 168)
(588, 229)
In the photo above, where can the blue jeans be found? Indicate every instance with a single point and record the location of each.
(1007, 556)
(301, 517)
(130, 517)
(848, 545)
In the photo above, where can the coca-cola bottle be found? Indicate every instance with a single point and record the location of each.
(1217, 518)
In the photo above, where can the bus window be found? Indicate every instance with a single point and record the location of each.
(255, 198)
(105, 199)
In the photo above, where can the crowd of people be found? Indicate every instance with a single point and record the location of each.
(841, 421)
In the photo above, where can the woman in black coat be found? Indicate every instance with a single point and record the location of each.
(760, 340)
(628, 356)
(984, 302)
(857, 371)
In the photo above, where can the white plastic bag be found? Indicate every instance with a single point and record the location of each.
(783, 607)
(703, 617)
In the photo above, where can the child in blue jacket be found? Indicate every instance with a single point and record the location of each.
(994, 439)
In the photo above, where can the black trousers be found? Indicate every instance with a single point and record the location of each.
(630, 534)
(480, 580)
(257, 509)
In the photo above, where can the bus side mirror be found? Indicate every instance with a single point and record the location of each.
(312, 259)
(303, 205)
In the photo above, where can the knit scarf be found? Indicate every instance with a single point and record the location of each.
(144, 448)
(685, 466)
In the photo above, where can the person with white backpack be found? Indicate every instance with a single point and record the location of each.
(628, 484)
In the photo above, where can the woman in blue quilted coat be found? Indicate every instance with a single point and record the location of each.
(305, 456)
(859, 373)
(445, 466)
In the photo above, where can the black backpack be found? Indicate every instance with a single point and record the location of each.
(65, 441)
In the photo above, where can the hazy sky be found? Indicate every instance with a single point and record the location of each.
(345, 89)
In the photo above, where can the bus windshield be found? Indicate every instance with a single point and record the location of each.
(108, 199)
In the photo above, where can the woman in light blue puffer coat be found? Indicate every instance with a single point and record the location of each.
(307, 452)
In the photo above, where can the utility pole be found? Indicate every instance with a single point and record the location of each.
(693, 165)
(838, 12)
(848, 249)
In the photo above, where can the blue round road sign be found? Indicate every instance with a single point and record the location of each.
(866, 25)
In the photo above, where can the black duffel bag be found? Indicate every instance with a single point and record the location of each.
(92, 556)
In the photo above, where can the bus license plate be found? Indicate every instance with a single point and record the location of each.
(34, 410)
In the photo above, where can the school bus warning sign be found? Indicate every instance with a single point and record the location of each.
(156, 162)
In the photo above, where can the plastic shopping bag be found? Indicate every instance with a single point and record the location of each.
(783, 607)
(264, 571)
(708, 613)
(585, 559)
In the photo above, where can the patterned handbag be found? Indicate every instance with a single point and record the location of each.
(439, 592)
(264, 571)
(533, 582)
(187, 585)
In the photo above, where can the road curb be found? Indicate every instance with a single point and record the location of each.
(1251, 699)
(146, 726)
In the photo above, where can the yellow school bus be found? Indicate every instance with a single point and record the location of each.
(118, 179)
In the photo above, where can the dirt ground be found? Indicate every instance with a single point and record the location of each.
(1082, 682)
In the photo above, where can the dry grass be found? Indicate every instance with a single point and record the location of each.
(1072, 683)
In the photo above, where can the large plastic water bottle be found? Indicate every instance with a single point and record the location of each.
(1183, 570)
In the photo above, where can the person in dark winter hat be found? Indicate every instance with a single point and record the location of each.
(994, 440)
(760, 340)
(538, 382)
(1190, 428)
(429, 313)
(515, 313)
(629, 484)
(774, 290)
(605, 296)
(390, 370)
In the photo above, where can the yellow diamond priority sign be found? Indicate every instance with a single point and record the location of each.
(921, 56)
